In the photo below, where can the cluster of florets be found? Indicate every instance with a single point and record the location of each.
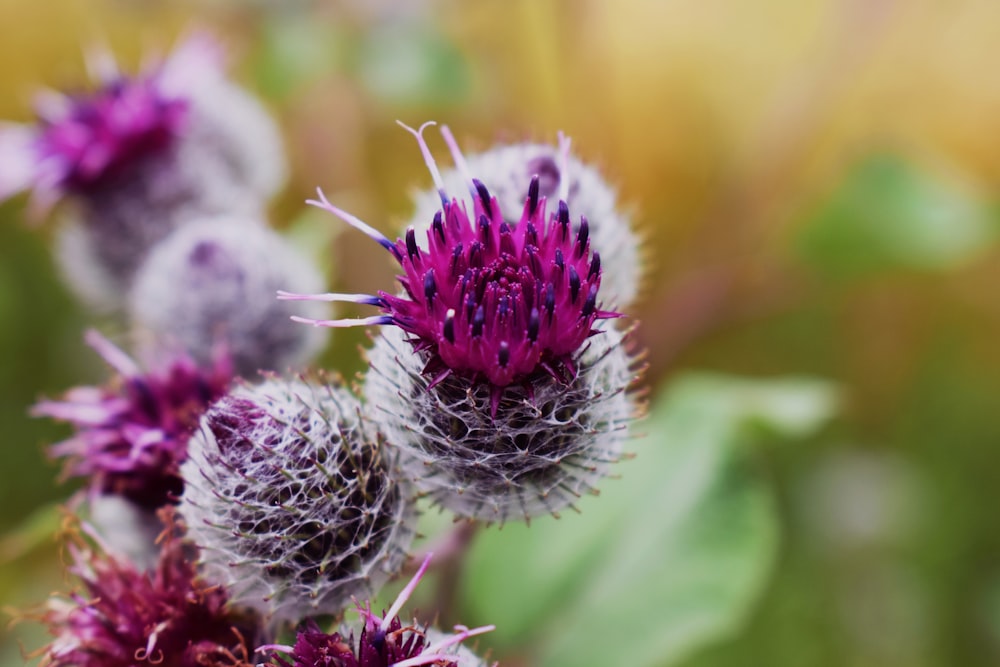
(125, 617)
(292, 499)
(132, 435)
(512, 397)
(499, 389)
(383, 641)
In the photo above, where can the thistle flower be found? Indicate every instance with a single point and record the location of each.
(512, 397)
(132, 435)
(212, 282)
(125, 618)
(141, 154)
(507, 171)
(487, 300)
(290, 497)
(383, 642)
(543, 450)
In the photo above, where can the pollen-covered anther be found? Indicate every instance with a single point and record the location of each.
(489, 300)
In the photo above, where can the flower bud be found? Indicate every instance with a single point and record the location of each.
(213, 282)
(292, 500)
(538, 452)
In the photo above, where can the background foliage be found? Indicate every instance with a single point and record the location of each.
(818, 186)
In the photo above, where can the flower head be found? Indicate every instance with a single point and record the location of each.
(132, 436)
(383, 642)
(85, 140)
(291, 499)
(125, 618)
(212, 282)
(487, 299)
(507, 170)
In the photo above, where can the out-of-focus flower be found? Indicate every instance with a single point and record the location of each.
(125, 617)
(383, 642)
(292, 500)
(141, 154)
(213, 282)
(487, 300)
(132, 436)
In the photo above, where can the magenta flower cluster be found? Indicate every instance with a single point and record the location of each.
(131, 437)
(487, 299)
(102, 133)
(124, 617)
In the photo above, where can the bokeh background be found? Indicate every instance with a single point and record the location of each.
(817, 187)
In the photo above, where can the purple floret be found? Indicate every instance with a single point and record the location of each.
(489, 300)
(125, 618)
(132, 436)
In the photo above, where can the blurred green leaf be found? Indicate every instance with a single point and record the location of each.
(687, 537)
(296, 50)
(36, 530)
(412, 64)
(888, 213)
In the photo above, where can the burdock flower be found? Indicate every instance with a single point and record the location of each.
(140, 154)
(489, 301)
(504, 392)
(132, 436)
(212, 282)
(507, 171)
(291, 498)
(383, 642)
(126, 618)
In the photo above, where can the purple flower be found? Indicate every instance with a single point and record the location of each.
(488, 300)
(126, 618)
(383, 642)
(132, 436)
(85, 140)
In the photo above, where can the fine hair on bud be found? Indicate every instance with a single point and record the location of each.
(213, 282)
(507, 170)
(543, 448)
(293, 501)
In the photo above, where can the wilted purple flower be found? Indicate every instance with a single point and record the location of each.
(486, 299)
(132, 436)
(383, 642)
(126, 618)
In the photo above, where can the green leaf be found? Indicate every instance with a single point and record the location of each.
(670, 556)
(889, 214)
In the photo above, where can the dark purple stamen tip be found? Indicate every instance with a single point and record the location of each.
(582, 236)
(534, 323)
(430, 287)
(533, 195)
(448, 331)
(438, 227)
(503, 355)
(595, 266)
(484, 196)
(412, 250)
(574, 283)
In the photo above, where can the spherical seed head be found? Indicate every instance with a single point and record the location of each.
(132, 435)
(383, 642)
(534, 453)
(213, 282)
(125, 617)
(290, 496)
(507, 171)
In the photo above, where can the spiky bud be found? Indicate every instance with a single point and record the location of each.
(212, 282)
(542, 451)
(290, 496)
(141, 154)
(383, 642)
(507, 170)
(126, 617)
(132, 436)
